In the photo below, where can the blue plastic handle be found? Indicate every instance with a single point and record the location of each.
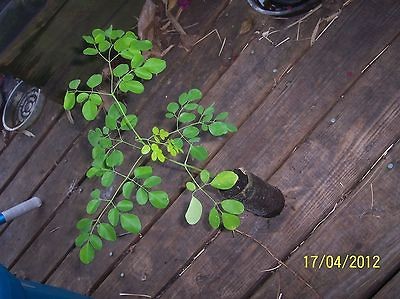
(2, 219)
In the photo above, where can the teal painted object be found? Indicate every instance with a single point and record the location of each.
(13, 288)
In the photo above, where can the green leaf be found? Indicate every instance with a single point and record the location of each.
(90, 51)
(121, 70)
(74, 84)
(94, 80)
(89, 111)
(131, 223)
(88, 39)
(111, 122)
(190, 186)
(104, 45)
(143, 73)
(187, 117)
(92, 206)
(222, 116)
(218, 128)
(69, 100)
(86, 254)
(122, 44)
(232, 206)
(194, 211)
(142, 196)
(214, 218)
(199, 153)
(82, 97)
(183, 98)
(159, 199)
(94, 137)
(127, 189)
(84, 225)
(117, 33)
(205, 176)
(125, 205)
(145, 149)
(132, 86)
(155, 65)
(230, 222)
(191, 106)
(137, 60)
(142, 45)
(95, 99)
(107, 179)
(194, 95)
(95, 194)
(81, 239)
(116, 158)
(225, 180)
(190, 132)
(98, 32)
(129, 54)
(129, 122)
(173, 107)
(152, 181)
(96, 242)
(106, 231)
(117, 110)
(231, 127)
(143, 172)
(113, 216)
(92, 172)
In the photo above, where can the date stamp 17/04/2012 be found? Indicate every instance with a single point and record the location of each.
(348, 261)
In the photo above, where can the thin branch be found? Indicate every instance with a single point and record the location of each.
(278, 260)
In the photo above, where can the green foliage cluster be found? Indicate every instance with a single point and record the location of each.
(108, 214)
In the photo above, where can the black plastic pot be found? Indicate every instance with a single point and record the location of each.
(283, 7)
(257, 196)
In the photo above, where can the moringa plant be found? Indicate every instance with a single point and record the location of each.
(128, 66)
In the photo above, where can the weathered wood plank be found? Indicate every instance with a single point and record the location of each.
(148, 271)
(391, 289)
(39, 268)
(353, 229)
(40, 164)
(324, 168)
(15, 16)
(50, 58)
(16, 154)
(31, 30)
(226, 96)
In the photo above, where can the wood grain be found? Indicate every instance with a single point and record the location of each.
(353, 229)
(32, 29)
(16, 154)
(390, 289)
(40, 164)
(40, 267)
(319, 173)
(225, 96)
(148, 271)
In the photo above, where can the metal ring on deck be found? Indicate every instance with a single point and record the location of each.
(22, 107)
(282, 7)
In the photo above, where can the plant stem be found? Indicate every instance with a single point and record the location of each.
(183, 165)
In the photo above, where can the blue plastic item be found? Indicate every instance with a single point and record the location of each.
(13, 288)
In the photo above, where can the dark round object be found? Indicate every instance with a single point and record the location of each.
(282, 7)
(22, 107)
(257, 196)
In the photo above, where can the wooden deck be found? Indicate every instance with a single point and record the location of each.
(321, 122)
